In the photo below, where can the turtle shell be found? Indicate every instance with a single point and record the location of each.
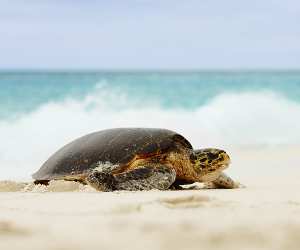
(114, 146)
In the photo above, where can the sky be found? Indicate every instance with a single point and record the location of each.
(145, 34)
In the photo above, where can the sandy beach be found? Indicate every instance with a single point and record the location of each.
(157, 93)
(66, 215)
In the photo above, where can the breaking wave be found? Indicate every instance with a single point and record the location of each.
(229, 119)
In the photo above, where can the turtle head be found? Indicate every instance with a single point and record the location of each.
(209, 162)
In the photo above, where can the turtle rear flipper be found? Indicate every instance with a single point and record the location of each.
(151, 176)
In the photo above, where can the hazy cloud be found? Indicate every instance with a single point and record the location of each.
(149, 34)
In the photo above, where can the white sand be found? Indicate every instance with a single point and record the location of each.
(265, 215)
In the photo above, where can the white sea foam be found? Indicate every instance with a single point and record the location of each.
(228, 119)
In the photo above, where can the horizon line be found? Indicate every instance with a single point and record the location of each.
(149, 70)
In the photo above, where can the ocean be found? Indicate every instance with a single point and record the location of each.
(41, 111)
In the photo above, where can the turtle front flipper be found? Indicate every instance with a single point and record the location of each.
(102, 181)
(222, 181)
(151, 176)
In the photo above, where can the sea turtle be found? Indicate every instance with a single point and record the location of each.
(136, 159)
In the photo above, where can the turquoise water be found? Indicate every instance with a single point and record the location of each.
(21, 93)
(40, 112)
